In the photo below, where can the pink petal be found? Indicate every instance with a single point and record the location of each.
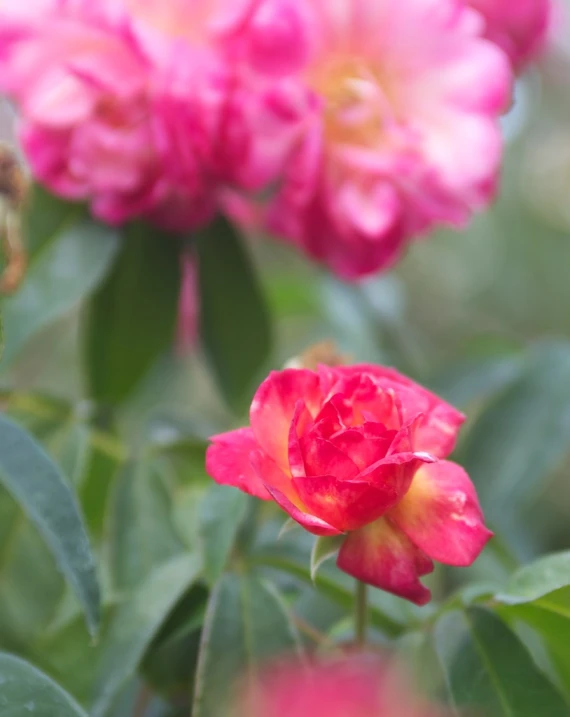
(441, 514)
(394, 474)
(381, 555)
(271, 475)
(348, 505)
(438, 429)
(228, 461)
(273, 408)
(302, 420)
(364, 448)
(322, 457)
(309, 522)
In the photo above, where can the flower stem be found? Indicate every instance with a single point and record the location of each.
(360, 613)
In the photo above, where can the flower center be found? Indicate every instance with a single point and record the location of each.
(357, 107)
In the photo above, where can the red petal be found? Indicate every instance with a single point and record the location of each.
(438, 430)
(348, 505)
(381, 555)
(270, 475)
(273, 408)
(321, 457)
(394, 474)
(309, 522)
(364, 447)
(441, 514)
(228, 461)
(302, 420)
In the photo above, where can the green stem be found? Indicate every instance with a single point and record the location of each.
(360, 613)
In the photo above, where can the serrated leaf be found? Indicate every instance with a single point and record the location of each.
(249, 615)
(132, 317)
(24, 690)
(235, 325)
(135, 624)
(36, 483)
(324, 548)
(222, 511)
(488, 669)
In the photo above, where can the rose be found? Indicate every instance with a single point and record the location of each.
(404, 131)
(358, 450)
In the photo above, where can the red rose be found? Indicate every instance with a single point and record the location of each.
(356, 450)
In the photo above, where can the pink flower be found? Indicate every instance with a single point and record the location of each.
(355, 686)
(145, 108)
(358, 450)
(519, 27)
(401, 132)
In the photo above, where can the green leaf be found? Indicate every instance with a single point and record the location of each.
(523, 434)
(539, 595)
(535, 581)
(141, 525)
(136, 623)
(246, 622)
(132, 317)
(70, 263)
(221, 513)
(106, 458)
(550, 618)
(234, 321)
(24, 690)
(31, 586)
(489, 670)
(35, 482)
(324, 548)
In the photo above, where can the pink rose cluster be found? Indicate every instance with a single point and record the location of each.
(359, 452)
(345, 128)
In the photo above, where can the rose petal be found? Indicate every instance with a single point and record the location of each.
(441, 514)
(270, 474)
(394, 474)
(273, 408)
(302, 420)
(381, 555)
(348, 505)
(309, 522)
(228, 461)
(437, 432)
(365, 445)
(321, 457)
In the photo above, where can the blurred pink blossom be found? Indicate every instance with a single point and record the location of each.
(519, 27)
(143, 107)
(400, 130)
(355, 686)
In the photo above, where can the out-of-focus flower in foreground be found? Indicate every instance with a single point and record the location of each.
(402, 133)
(358, 450)
(519, 27)
(355, 686)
